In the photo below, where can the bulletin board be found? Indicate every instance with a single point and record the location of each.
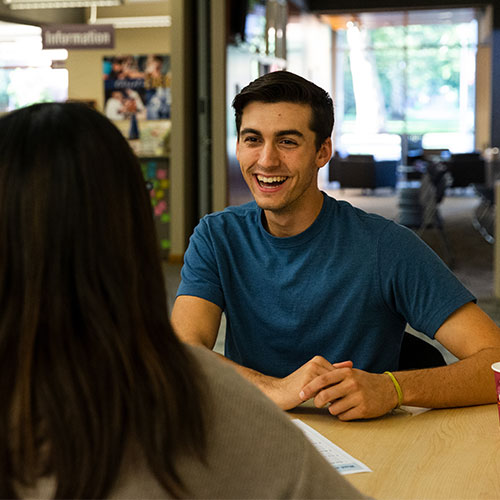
(156, 174)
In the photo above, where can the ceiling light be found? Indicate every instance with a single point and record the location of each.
(136, 21)
(59, 4)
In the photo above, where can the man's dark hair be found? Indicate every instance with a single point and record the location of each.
(283, 86)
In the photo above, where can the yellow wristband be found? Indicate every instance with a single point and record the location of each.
(397, 387)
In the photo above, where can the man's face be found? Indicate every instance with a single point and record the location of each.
(277, 154)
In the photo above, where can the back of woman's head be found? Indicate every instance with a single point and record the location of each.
(87, 355)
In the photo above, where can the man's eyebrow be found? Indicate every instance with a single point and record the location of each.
(244, 131)
(280, 133)
(291, 131)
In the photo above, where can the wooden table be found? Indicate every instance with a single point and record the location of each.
(448, 454)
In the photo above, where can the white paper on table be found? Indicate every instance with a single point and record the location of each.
(413, 410)
(337, 457)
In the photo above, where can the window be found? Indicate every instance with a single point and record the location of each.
(404, 80)
(29, 74)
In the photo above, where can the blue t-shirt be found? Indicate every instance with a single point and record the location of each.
(344, 288)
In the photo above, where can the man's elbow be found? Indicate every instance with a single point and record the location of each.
(193, 338)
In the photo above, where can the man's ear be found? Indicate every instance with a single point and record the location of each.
(324, 153)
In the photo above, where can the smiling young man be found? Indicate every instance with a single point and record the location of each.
(316, 292)
(280, 165)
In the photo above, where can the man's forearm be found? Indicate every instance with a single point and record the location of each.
(253, 376)
(267, 384)
(467, 382)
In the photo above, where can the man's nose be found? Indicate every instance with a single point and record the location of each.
(269, 155)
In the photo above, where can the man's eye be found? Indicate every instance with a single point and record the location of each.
(288, 142)
(250, 139)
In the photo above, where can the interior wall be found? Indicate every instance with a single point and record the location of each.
(141, 8)
(495, 78)
(38, 17)
(218, 75)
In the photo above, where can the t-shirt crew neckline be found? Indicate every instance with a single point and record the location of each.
(304, 236)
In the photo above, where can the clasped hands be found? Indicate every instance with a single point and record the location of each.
(349, 393)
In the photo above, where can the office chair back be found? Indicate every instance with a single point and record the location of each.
(417, 353)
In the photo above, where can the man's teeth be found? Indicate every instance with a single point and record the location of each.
(270, 180)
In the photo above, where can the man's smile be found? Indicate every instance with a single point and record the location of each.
(267, 182)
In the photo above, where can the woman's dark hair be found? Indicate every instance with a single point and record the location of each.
(283, 86)
(89, 363)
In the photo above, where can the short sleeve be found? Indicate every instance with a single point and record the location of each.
(200, 275)
(415, 282)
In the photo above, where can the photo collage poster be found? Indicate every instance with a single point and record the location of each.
(137, 84)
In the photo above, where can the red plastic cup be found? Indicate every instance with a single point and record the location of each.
(496, 370)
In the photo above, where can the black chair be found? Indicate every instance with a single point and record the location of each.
(417, 353)
(355, 171)
(466, 169)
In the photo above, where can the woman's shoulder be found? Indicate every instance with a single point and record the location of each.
(249, 436)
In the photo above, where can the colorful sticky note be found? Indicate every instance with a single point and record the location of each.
(160, 193)
(151, 170)
(160, 208)
(165, 244)
(164, 183)
(161, 173)
(165, 218)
